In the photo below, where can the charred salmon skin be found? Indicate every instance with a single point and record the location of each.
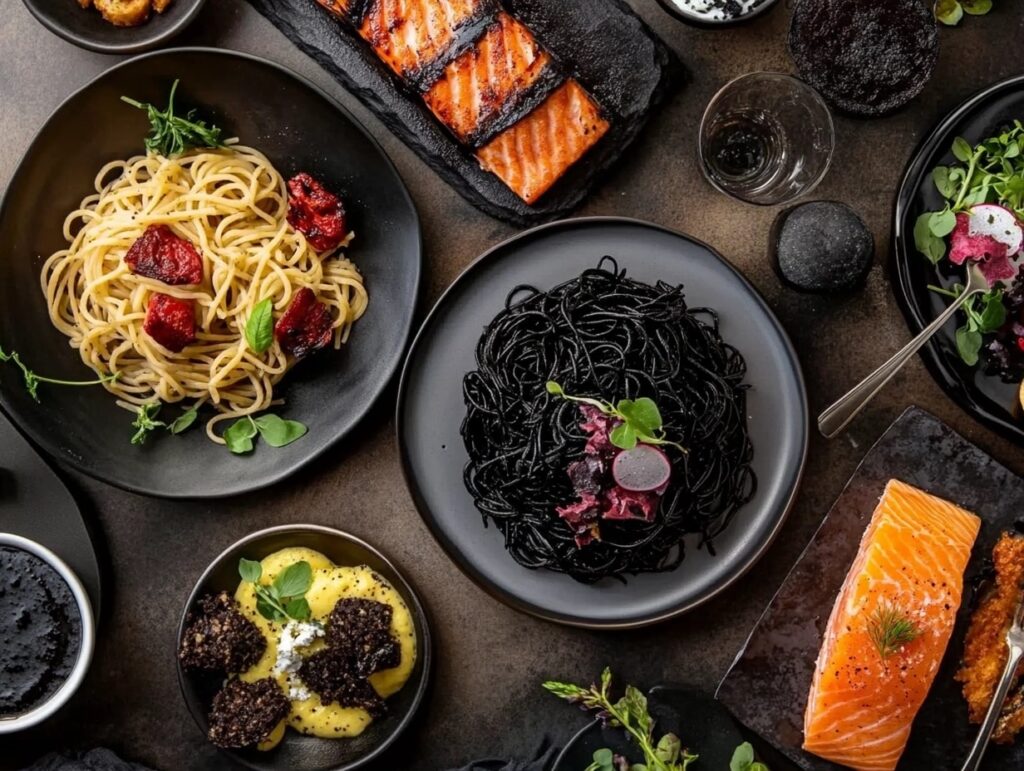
(533, 154)
(889, 629)
(487, 78)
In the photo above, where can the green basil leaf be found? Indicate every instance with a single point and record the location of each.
(259, 329)
(298, 609)
(239, 436)
(961, 148)
(184, 420)
(941, 223)
(294, 580)
(250, 570)
(968, 343)
(742, 757)
(976, 7)
(623, 436)
(277, 432)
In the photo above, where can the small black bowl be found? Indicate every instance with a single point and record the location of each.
(298, 752)
(699, 21)
(86, 28)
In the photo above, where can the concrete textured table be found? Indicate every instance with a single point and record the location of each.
(485, 699)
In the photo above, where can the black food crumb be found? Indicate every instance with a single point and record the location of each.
(245, 714)
(334, 675)
(361, 630)
(220, 638)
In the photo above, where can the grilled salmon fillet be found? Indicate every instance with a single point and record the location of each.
(533, 154)
(487, 77)
(889, 629)
(408, 35)
(985, 649)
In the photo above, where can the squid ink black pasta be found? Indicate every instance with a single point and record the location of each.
(609, 337)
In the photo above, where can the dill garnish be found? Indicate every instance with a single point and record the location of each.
(890, 628)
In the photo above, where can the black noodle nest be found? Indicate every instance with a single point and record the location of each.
(605, 336)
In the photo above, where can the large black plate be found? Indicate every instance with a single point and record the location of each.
(430, 410)
(603, 43)
(299, 128)
(767, 687)
(987, 398)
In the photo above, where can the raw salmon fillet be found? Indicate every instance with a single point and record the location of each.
(409, 34)
(475, 87)
(911, 561)
(533, 154)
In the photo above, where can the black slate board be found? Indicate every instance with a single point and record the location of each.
(767, 687)
(35, 504)
(606, 46)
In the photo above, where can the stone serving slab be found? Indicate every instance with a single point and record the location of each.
(767, 686)
(602, 43)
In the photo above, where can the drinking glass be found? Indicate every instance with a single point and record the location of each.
(766, 138)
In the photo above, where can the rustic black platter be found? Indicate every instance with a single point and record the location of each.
(986, 397)
(767, 687)
(606, 46)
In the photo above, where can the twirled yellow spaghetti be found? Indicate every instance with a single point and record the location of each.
(231, 203)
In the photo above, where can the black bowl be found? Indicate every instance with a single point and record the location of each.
(87, 29)
(300, 129)
(699, 21)
(298, 752)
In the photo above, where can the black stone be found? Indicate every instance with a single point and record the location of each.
(822, 246)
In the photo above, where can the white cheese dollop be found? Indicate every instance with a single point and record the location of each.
(295, 635)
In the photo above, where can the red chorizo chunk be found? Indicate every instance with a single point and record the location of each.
(170, 321)
(306, 325)
(158, 253)
(316, 213)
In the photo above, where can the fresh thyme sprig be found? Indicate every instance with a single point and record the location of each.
(145, 422)
(32, 379)
(890, 628)
(172, 134)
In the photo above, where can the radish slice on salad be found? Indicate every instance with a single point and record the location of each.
(990, 235)
(643, 469)
(999, 223)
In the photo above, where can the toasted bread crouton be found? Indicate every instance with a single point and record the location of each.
(85, 3)
(124, 13)
(160, 5)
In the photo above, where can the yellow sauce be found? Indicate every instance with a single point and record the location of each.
(330, 584)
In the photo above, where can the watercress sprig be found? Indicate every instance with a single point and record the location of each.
(33, 379)
(639, 420)
(284, 598)
(171, 134)
(990, 317)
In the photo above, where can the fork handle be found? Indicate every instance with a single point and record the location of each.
(973, 761)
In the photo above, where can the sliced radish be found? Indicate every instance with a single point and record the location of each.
(642, 469)
(999, 223)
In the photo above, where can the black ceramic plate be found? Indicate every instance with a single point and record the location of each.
(29, 486)
(704, 726)
(430, 410)
(767, 687)
(87, 29)
(300, 129)
(987, 398)
(298, 752)
(603, 43)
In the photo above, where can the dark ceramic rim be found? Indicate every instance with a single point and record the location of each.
(415, 606)
(137, 45)
(901, 253)
(699, 21)
(391, 368)
(455, 555)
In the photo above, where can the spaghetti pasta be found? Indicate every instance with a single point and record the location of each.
(232, 204)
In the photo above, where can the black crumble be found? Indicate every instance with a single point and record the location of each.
(245, 714)
(219, 638)
(822, 246)
(334, 676)
(361, 630)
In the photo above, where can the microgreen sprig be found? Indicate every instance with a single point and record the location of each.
(284, 598)
(639, 420)
(33, 379)
(145, 422)
(890, 628)
(172, 134)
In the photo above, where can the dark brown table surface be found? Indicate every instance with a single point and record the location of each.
(486, 699)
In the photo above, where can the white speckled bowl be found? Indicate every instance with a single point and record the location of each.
(67, 690)
(697, 20)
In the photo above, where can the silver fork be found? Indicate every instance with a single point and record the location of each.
(838, 416)
(1015, 644)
